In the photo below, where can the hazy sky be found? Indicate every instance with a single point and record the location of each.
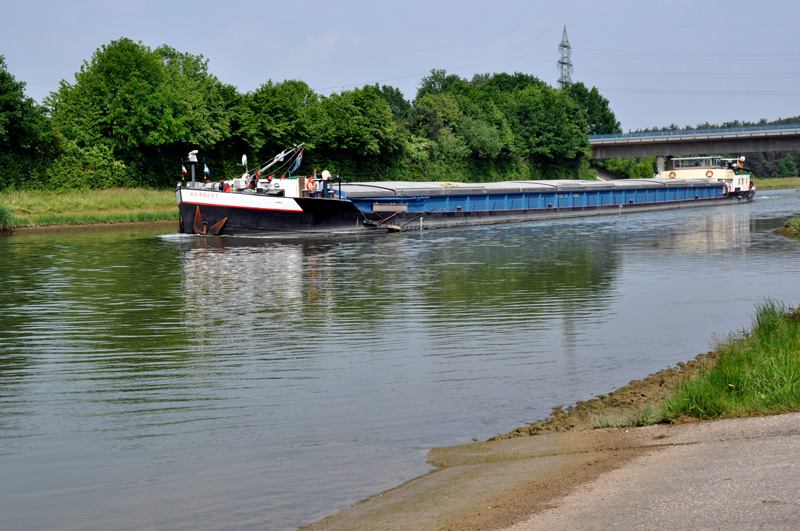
(658, 62)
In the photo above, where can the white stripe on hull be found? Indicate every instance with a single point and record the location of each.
(235, 200)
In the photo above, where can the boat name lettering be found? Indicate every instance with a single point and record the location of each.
(201, 194)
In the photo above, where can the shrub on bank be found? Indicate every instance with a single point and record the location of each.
(87, 168)
(794, 225)
(758, 374)
(6, 220)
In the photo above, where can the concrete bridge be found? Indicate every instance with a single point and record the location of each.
(661, 144)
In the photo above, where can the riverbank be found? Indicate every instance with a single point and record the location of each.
(739, 471)
(28, 209)
(496, 483)
(503, 481)
(786, 183)
(165, 224)
(791, 229)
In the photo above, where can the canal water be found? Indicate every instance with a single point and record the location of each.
(165, 381)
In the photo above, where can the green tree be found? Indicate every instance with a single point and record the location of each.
(149, 107)
(438, 82)
(463, 126)
(787, 167)
(24, 134)
(437, 117)
(482, 139)
(631, 168)
(599, 117)
(283, 115)
(355, 134)
(195, 97)
(503, 83)
(86, 167)
(424, 120)
(399, 105)
(245, 137)
(551, 131)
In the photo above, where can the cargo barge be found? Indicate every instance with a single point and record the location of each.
(265, 204)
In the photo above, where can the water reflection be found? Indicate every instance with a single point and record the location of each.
(280, 296)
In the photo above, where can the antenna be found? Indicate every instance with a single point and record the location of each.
(564, 61)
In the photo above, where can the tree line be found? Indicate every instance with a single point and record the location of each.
(133, 113)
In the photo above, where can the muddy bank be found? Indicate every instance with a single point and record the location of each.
(95, 227)
(627, 400)
(499, 482)
(788, 232)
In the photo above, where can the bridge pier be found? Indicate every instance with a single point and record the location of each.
(660, 164)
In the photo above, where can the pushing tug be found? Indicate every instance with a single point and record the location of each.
(260, 203)
(714, 167)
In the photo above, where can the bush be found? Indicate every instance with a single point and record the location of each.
(794, 225)
(84, 168)
(6, 220)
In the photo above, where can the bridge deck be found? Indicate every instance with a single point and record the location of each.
(697, 134)
(697, 141)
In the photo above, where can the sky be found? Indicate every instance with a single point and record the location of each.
(657, 62)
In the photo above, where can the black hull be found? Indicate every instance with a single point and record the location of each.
(319, 215)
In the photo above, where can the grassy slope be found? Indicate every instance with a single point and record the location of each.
(41, 208)
(776, 184)
(758, 374)
(753, 373)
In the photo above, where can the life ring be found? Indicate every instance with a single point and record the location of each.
(311, 185)
(672, 175)
(709, 174)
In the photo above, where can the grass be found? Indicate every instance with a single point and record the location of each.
(754, 373)
(777, 184)
(757, 374)
(6, 219)
(44, 208)
(793, 227)
(644, 416)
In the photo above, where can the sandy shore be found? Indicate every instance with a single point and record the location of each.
(503, 481)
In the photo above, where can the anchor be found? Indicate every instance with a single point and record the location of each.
(201, 227)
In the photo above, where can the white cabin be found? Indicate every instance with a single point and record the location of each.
(712, 167)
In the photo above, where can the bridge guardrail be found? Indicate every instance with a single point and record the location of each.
(692, 134)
